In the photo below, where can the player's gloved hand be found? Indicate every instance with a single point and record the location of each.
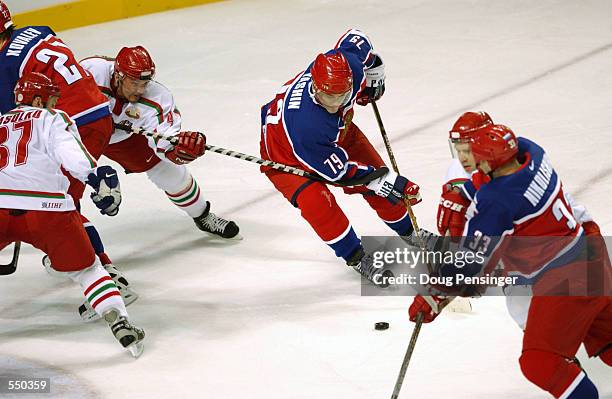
(395, 188)
(419, 304)
(479, 178)
(451, 210)
(107, 193)
(375, 83)
(190, 146)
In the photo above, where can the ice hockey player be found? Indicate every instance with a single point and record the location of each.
(136, 100)
(38, 49)
(309, 125)
(525, 199)
(36, 207)
(462, 180)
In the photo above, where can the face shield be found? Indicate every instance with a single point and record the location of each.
(460, 149)
(331, 102)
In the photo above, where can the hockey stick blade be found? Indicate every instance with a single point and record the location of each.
(11, 267)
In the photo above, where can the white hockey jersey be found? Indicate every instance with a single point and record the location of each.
(155, 111)
(34, 144)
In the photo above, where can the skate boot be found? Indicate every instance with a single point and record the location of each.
(364, 264)
(87, 313)
(129, 337)
(427, 240)
(211, 223)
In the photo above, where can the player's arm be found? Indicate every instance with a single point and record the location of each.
(190, 146)
(485, 231)
(489, 221)
(356, 45)
(66, 148)
(332, 163)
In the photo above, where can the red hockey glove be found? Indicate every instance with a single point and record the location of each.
(190, 146)
(451, 211)
(479, 178)
(419, 304)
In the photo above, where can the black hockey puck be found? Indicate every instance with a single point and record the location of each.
(381, 325)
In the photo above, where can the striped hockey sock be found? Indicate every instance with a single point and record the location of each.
(189, 199)
(99, 289)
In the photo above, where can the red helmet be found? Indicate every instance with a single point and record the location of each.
(135, 62)
(468, 123)
(32, 85)
(495, 144)
(5, 17)
(331, 74)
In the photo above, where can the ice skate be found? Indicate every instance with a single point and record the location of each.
(211, 223)
(364, 264)
(129, 337)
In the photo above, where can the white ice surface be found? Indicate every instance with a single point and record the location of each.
(277, 315)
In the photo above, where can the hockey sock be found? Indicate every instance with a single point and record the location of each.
(402, 226)
(189, 199)
(99, 289)
(581, 388)
(94, 238)
(346, 244)
(394, 216)
(557, 375)
(180, 187)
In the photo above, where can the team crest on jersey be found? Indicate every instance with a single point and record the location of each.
(133, 112)
(126, 123)
(348, 119)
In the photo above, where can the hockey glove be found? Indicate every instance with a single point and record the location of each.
(107, 193)
(190, 146)
(451, 210)
(478, 179)
(420, 305)
(395, 188)
(375, 83)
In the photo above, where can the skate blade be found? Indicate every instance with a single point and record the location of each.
(459, 305)
(136, 349)
(129, 296)
(88, 318)
(237, 237)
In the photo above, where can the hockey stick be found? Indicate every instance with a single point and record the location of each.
(10, 268)
(408, 355)
(250, 158)
(383, 133)
(436, 307)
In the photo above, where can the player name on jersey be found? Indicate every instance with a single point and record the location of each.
(20, 116)
(21, 41)
(537, 188)
(296, 95)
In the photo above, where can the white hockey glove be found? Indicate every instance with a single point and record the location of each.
(395, 188)
(375, 83)
(107, 193)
